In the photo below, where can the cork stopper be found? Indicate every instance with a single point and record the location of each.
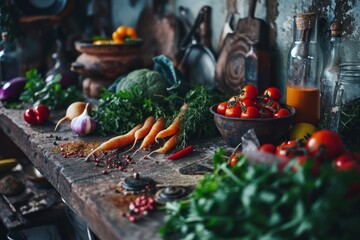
(336, 29)
(305, 21)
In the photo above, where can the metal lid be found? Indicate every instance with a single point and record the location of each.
(350, 72)
(172, 193)
(136, 183)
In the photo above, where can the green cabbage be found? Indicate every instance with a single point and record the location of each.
(151, 82)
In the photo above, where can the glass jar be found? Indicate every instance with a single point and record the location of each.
(257, 67)
(346, 105)
(304, 69)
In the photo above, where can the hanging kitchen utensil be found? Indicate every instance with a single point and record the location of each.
(159, 30)
(230, 68)
(198, 62)
(228, 28)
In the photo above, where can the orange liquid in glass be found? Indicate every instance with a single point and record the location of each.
(306, 102)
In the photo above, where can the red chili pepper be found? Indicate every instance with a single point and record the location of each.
(181, 153)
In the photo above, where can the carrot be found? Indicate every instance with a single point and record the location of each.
(174, 127)
(169, 144)
(150, 138)
(143, 131)
(117, 142)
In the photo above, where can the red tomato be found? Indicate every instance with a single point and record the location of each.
(283, 112)
(325, 144)
(269, 148)
(221, 108)
(249, 92)
(248, 103)
(233, 111)
(234, 158)
(250, 112)
(273, 93)
(42, 113)
(30, 116)
(344, 162)
(266, 113)
(289, 150)
(273, 106)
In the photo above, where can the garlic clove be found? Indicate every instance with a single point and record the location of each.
(83, 124)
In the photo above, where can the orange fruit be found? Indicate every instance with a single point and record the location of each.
(131, 32)
(121, 31)
(117, 37)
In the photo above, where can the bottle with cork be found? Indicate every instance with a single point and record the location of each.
(304, 70)
(330, 76)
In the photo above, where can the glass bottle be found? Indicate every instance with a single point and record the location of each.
(257, 67)
(330, 75)
(9, 59)
(304, 70)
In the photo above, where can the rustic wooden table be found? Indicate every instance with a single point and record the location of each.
(89, 192)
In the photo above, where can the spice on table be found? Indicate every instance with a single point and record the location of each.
(181, 153)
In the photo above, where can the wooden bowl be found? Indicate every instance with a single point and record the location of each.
(268, 130)
(87, 46)
(107, 61)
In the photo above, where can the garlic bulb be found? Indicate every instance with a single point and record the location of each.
(83, 124)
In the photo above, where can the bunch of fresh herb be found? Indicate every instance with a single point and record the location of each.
(118, 112)
(197, 120)
(257, 202)
(37, 91)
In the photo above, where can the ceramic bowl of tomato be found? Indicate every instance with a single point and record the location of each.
(268, 130)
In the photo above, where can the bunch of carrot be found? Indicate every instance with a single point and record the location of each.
(150, 131)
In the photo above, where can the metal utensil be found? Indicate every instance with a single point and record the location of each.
(198, 62)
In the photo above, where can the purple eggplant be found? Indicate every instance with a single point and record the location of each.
(12, 89)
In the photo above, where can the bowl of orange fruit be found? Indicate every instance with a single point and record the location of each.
(107, 59)
(124, 40)
(271, 120)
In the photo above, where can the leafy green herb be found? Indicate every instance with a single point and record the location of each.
(197, 120)
(257, 202)
(119, 112)
(37, 91)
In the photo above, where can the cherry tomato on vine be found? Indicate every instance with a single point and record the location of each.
(344, 162)
(234, 111)
(250, 112)
(289, 149)
(266, 113)
(248, 103)
(273, 93)
(283, 112)
(30, 116)
(273, 106)
(42, 113)
(325, 144)
(249, 92)
(268, 147)
(221, 108)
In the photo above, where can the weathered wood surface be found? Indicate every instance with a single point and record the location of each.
(82, 185)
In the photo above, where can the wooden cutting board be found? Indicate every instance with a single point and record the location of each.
(159, 29)
(230, 68)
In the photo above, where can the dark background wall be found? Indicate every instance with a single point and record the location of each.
(277, 13)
